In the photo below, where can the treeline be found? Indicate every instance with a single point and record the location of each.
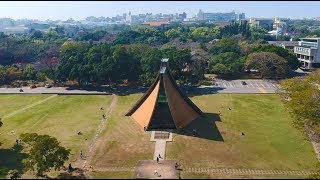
(132, 53)
(302, 97)
(105, 64)
(232, 56)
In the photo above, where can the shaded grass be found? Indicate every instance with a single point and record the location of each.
(11, 159)
(270, 141)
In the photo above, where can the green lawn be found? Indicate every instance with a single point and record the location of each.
(270, 142)
(11, 103)
(124, 142)
(61, 117)
(233, 176)
(113, 175)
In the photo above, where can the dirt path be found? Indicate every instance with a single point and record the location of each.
(247, 171)
(220, 171)
(90, 149)
(29, 106)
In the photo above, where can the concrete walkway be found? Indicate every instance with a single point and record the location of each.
(160, 146)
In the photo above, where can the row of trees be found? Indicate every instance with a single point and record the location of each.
(104, 63)
(302, 97)
(17, 49)
(232, 56)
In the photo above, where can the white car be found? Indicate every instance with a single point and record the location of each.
(47, 86)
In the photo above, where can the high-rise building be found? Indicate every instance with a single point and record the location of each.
(220, 17)
(128, 18)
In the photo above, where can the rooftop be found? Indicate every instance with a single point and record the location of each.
(310, 38)
(285, 43)
(155, 23)
(165, 60)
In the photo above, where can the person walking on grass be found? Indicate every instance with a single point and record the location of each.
(81, 155)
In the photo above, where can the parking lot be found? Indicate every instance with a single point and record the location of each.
(250, 83)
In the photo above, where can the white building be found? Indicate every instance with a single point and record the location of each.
(308, 52)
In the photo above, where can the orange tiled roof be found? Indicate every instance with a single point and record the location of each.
(156, 23)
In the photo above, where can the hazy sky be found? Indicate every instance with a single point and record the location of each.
(77, 10)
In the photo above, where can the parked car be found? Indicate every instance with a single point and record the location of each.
(33, 86)
(47, 86)
(243, 83)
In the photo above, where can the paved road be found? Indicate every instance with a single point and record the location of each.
(220, 86)
(252, 86)
(40, 90)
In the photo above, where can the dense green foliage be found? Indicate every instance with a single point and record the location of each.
(291, 59)
(226, 64)
(117, 53)
(302, 96)
(44, 153)
(269, 65)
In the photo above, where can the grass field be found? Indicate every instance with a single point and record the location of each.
(232, 176)
(61, 117)
(11, 103)
(113, 175)
(270, 142)
(124, 142)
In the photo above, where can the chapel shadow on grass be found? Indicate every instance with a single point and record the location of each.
(11, 159)
(205, 127)
(75, 174)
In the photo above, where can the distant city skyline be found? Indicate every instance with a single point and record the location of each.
(78, 10)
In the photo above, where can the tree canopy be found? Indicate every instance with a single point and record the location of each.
(45, 153)
(302, 96)
(269, 65)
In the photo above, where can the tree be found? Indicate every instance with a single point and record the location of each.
(173, 33)
(302, 97)
(230, 63)
(225, 45)
(150, 65)
(177, 58)
(45, 153)
(72, 60)
(8, 74)
(29, 72)
(269, 65)
(51, 63)
(220, 69)
(200, 34)
(291, 59)
(258, 32)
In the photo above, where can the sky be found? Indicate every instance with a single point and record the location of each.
(78, 10)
